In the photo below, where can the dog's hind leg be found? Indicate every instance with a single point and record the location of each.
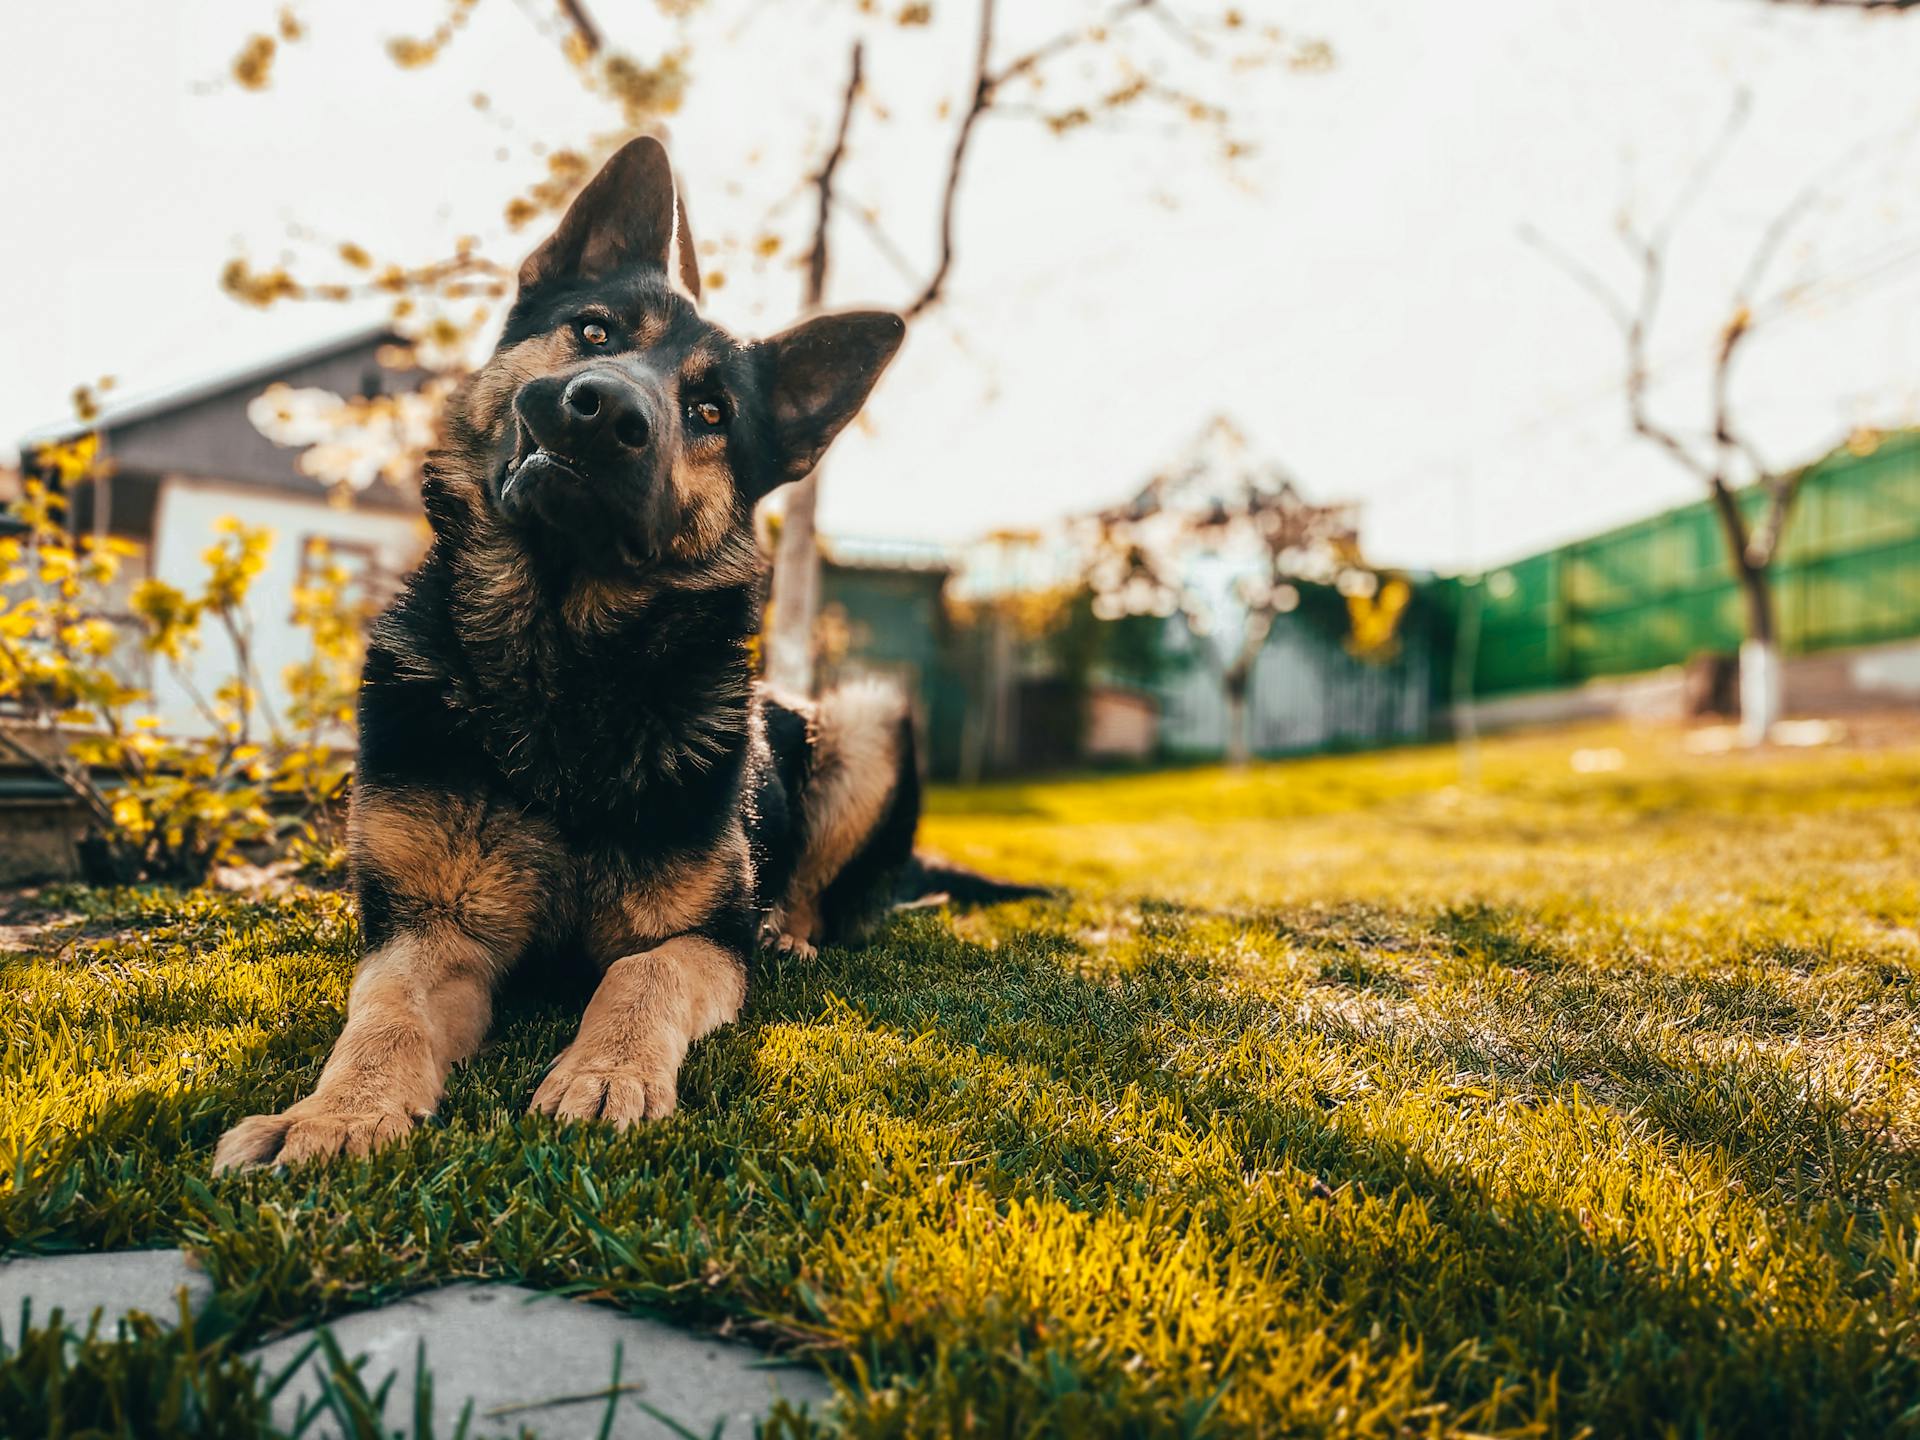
(861, 759)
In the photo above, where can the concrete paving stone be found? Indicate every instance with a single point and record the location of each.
(116, 1283)
(525, 1360)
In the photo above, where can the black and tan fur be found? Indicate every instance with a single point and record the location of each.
(563, 750)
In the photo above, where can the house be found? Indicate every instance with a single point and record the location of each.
(178, 461)
(883, 611)
(175, 463)
(1151, 689)
(1308, 691)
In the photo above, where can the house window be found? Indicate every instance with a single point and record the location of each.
(365, 580)
(127, 662)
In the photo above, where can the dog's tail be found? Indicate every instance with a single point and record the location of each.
(927, 880)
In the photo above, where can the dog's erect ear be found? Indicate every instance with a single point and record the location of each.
(681, 258)
(628, 214)
(818, 375)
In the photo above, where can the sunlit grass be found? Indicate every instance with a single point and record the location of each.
(1340, 1098)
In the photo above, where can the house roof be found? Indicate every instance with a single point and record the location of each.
(203, 431)
(188, 393)
(200, 430)
(850, 553)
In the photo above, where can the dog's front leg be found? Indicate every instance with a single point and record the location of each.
(420, 1004)
(650, 1007)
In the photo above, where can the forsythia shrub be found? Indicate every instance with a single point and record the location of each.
(161, 806)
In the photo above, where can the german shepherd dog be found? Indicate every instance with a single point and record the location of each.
(562, 745)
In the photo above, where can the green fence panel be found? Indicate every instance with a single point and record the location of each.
(1660, 590)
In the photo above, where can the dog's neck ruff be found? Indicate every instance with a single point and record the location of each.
(599, 703)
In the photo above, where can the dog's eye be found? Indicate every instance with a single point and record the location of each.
(709, 413)
(593, 332)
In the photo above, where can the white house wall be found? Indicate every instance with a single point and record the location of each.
(1307, 694)
(183, 529)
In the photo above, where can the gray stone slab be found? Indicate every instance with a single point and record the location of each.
(116, 1283)
(519, 1355)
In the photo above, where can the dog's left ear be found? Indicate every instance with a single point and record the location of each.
(628, 214)
(818, 375)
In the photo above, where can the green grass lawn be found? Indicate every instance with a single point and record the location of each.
(1339, 1099)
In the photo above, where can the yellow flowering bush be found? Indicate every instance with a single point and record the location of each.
(168, 805)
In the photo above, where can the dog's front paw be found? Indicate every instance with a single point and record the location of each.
(310, 1130)
(587, 1087)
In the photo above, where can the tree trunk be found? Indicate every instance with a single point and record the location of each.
(1003, 731)
(1762, 681)
(796, 568)
(796, 592)
(1239, 751)
(1466, 662)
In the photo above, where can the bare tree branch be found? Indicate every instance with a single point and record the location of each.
(1639, 381)
(795, 568)
(889, 249)
(823, 182)
(1636, 321)
(583, 25)
(1726, 435)
(1764, 544)
(987, 85)
(1752, 544)
(1068, 39)
(984, 83)
(1702, 173)
(1581, 274)
(1849, 4)
(1173, 25)
(1771, 241)
(1761, 545)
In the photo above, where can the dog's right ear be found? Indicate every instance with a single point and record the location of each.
(818, 375)
(628, 214)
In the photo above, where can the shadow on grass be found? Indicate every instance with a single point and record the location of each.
(1480, 932)
(1157, 1093)
(1685, 1052)
(1504, 1289)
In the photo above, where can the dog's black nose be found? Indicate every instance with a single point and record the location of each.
(598, 408)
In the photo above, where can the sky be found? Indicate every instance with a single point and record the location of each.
(1354, 293)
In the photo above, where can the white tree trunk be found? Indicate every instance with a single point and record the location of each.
(796, 592)
(1238, 750)
(1003, 731)
(1762, 690)
(1466, 660)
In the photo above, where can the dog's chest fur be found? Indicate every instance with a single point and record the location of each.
(629, 747)
(631, 727)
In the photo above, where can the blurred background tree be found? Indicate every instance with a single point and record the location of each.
(1723, 453)
(1226, 541)
(1886, 6)
(1132, 66)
